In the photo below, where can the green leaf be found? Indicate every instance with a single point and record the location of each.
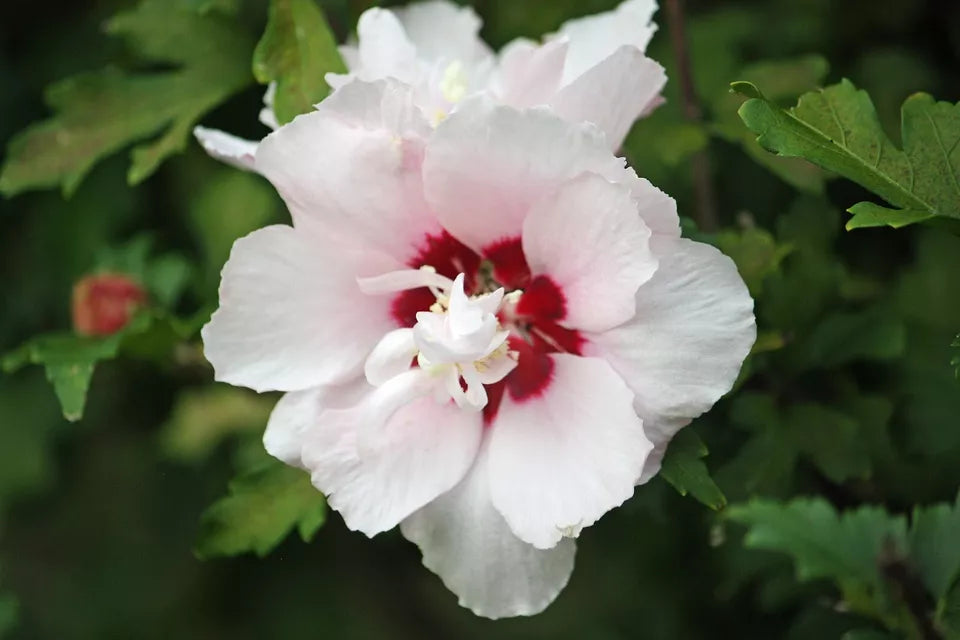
(9, 610)
(101, 112)
(262, 508)
(782, 80)
(683, 467)
(823, 543)
(837, 128)
(948, 614)
(956, 359)
(935, 546)
(830, 439)
(868, 214)
(872, 334)
(202, 418)
(296, 51)
(756, 254)
(69, 360)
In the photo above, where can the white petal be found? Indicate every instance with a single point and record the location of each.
(596, 37)
(403, 280)
(443, 30)
(600, 270)
(291, 316)
(234, 151)
(392, 453)
(529, 74)
(353, 168)
(392, 356)
(466, 542)
(560, 460)
(613, 94)
(384, 50)
(297, 411)
(486, 165)
(684, 348)
(658, 210)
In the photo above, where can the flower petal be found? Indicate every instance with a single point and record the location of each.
(234, 151)
(466, 542)
(529, 74)
(486, 165)
(297, 411)
(353, 167)
(560, 460)
(599, 273)
(392, 356)
(693, 328)
(291, 315)
(595, 37)
(384, 50)
(443, 31)
(614, 93)
(392, 453)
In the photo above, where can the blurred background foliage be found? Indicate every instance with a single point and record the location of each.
(850, 395)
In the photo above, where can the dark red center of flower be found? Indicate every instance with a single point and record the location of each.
(534, 322)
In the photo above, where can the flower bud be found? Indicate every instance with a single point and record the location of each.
(104, 303)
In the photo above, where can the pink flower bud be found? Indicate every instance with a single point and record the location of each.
(104, 303)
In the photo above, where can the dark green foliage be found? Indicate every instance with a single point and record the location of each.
(101, 112)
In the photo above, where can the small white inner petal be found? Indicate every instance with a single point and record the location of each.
(459, 338)
(403, 280)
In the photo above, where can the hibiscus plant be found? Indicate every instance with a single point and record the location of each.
(500, 279)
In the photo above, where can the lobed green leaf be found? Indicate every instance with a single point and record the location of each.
(100, 112)
(296, 52)
(684, 469)
(837, 128)
(263, 506)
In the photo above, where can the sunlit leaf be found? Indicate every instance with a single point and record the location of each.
(296, 51)
(101, 112)
(782, 80)
(838, 129)
(202, 418)
(263, 507)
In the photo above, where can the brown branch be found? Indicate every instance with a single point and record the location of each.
(706, 212)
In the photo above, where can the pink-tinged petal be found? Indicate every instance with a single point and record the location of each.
(613, 93)
(393, 452)
(561, 459)
(443, 31)
(291, 315)
(297, 411)
(384, 50)
(392, 356)
(529, 73)
(466, 542)
(658, 210)
(486, 165)
(234, 151)
(353, 168)
(693, 328)
(589, 240)
(596, 37)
